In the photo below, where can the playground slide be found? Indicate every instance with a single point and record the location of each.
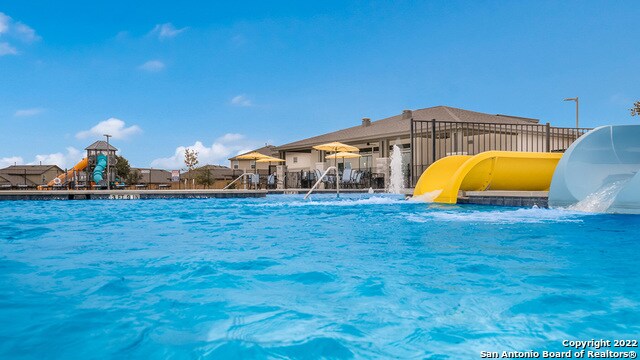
(489, 170)
(101, 165)
(599, 172)
(62, 178)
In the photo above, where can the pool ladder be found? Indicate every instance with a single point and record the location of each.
(322, 177)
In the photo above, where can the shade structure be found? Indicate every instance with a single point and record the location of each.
(270, 159)
(343, 155)
(254, 155)
(336, 147)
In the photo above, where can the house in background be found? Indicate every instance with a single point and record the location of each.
(28, 175)
(153, 178)
(424, 136)
(217, 176)
(251, 165)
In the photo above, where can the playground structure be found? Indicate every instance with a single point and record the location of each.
(600, 172)
(489, 170)
(91, 171)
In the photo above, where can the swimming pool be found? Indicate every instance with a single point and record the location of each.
(362, 276)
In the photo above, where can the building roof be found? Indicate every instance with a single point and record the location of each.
(29, 169)
(15, 180)
(153, 176)
(216, 171)
(268, 150)
(100, 145)
(399, 125)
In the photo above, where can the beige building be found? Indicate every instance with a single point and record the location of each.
(424, 136)
(251, 165)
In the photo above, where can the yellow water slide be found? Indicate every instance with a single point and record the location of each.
(489, 170)
(81, 165)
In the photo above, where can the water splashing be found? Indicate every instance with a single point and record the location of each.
(396, 179)
(600, 200)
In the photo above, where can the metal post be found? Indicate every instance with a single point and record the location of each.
(577, 123)
(548, 140)
(433, 140)
(108, 168)
(411, 144)
(576, 100)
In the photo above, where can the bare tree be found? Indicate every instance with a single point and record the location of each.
(190, 159)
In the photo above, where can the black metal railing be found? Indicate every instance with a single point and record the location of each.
(432, 140)
(357, 179)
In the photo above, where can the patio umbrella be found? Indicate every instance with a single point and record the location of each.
(269, 160)
(336, 147)
(255, 156)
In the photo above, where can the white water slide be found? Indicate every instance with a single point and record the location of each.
(599, 172)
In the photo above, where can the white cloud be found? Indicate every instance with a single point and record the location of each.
(241, 100)
(8, 161)
(14, 30)
(217, 153)
(6, 49)
(152, 66)
(165, 31)
(28, 112)
(230, 138)
(112, 126)
(25, 33)
(63, 160)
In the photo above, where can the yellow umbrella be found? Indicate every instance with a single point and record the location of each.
(270, 159)
(344, 155)
(254, 155)
(336, 147)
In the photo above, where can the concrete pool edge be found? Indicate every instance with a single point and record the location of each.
(127, 194)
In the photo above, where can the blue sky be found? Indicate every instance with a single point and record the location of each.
(228, 76)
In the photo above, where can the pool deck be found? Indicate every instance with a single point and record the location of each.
(127, 194)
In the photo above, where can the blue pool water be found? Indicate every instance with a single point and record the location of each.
(364, 277)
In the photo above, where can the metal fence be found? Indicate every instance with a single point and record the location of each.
(358, 179)
(432, 140)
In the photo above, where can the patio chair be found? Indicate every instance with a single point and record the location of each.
(271, 181)
(346, 177)
(255, 180)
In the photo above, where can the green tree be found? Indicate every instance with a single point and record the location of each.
(122, 167)
(203, 177)
(635, 110)
(133, 177)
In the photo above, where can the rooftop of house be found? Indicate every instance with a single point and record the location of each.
(29, 169)
(268, 150)
(399, 125)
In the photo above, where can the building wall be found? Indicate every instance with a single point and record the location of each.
(303, 161)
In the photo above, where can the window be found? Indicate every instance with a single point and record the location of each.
(236, 165)
(253, 164)
(295, 159)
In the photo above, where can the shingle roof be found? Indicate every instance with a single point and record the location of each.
(153, 176)
(399, 125)
(28, 169)
(100, 145)
(268, 150)
(15, 180)
(216, 171)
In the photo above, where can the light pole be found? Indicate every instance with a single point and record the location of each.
(576, 100)
(108, 169)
